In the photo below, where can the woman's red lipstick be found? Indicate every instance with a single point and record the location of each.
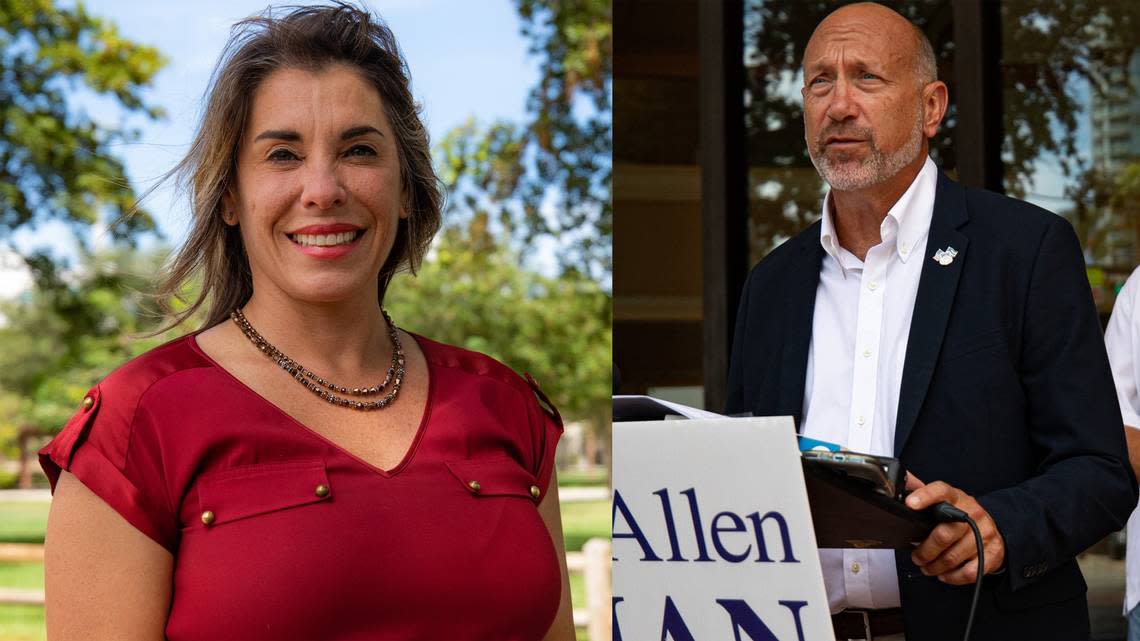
(324, 251)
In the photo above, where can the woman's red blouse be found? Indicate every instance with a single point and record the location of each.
(277, 533)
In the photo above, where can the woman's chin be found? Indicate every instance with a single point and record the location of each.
(326, 292)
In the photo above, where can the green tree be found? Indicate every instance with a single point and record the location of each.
(68, 332)
(1106, 214)
(558, 160)
(55, 162)
(511, 184)
(473, 293)
(56, 165)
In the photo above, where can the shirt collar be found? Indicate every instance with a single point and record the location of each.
(906, 224)
(914, 210)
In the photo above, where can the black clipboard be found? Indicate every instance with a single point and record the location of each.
(848, 514)
(641, 408)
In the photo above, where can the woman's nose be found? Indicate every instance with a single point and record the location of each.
(323, 188)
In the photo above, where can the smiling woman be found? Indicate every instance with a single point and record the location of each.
(318, 176)
(205, 491)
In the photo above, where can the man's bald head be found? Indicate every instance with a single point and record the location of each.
(894, 29)
(871, 98)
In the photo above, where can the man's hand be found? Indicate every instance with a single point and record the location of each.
(950, 552)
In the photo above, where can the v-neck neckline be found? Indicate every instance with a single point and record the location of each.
(408, 455)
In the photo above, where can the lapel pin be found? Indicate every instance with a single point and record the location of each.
(945, 256)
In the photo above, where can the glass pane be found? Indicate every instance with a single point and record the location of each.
(658, 338)
(1070, 75)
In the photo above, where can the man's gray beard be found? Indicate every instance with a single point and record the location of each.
(876, 168)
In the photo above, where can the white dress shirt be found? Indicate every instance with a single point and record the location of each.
(1122, 338)
(859, 336)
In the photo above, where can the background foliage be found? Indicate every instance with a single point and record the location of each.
(549, 176)
(473, 293)
(55, 162)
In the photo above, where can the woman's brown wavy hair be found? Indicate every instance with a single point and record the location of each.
(309, 38)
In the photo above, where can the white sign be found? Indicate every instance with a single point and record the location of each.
(712, 535)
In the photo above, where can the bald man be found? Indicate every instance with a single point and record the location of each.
(950, 327)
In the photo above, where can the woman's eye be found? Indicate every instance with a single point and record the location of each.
(361, 150)
(281, 155)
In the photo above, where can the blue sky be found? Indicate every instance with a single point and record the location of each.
(467, 59)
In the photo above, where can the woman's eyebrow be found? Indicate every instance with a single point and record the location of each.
(292, 136)
(278, 134)
(360, 130)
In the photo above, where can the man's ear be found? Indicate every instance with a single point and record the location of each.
(935, 99)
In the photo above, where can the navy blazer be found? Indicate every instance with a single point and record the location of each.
(1006, 394)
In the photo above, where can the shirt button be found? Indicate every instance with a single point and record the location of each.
(860, 420)
(872, 285)
(855, 568)
(322, 490)
(207, 517)
(535, 492)
(474, 485)
(904, 249)
(88, 403)
(866, 353)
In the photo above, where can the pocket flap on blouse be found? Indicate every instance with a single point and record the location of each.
(250, 490)
(499, 476)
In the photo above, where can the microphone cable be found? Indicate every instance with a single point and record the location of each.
(946, 513)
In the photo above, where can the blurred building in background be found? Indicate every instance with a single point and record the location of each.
(1115, 148)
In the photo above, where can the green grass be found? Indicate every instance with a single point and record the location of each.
(25, 575)
(579, 478)
(23, 522)
(583, 521)
(578, 590)
(22, 623)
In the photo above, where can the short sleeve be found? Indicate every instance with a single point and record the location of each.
(1124, 351)
(546, 429)
(95, 446)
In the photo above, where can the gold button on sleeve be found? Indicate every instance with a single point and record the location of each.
(535, 492)
(474, 485)
(322, 490)
(207, 517)
(88, 403)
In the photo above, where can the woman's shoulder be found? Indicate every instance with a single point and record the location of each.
(129, 383)
(470, 363)
(502, 390)
(102, 445)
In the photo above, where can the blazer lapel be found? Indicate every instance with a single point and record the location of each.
(937, 285)
(799, 307)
